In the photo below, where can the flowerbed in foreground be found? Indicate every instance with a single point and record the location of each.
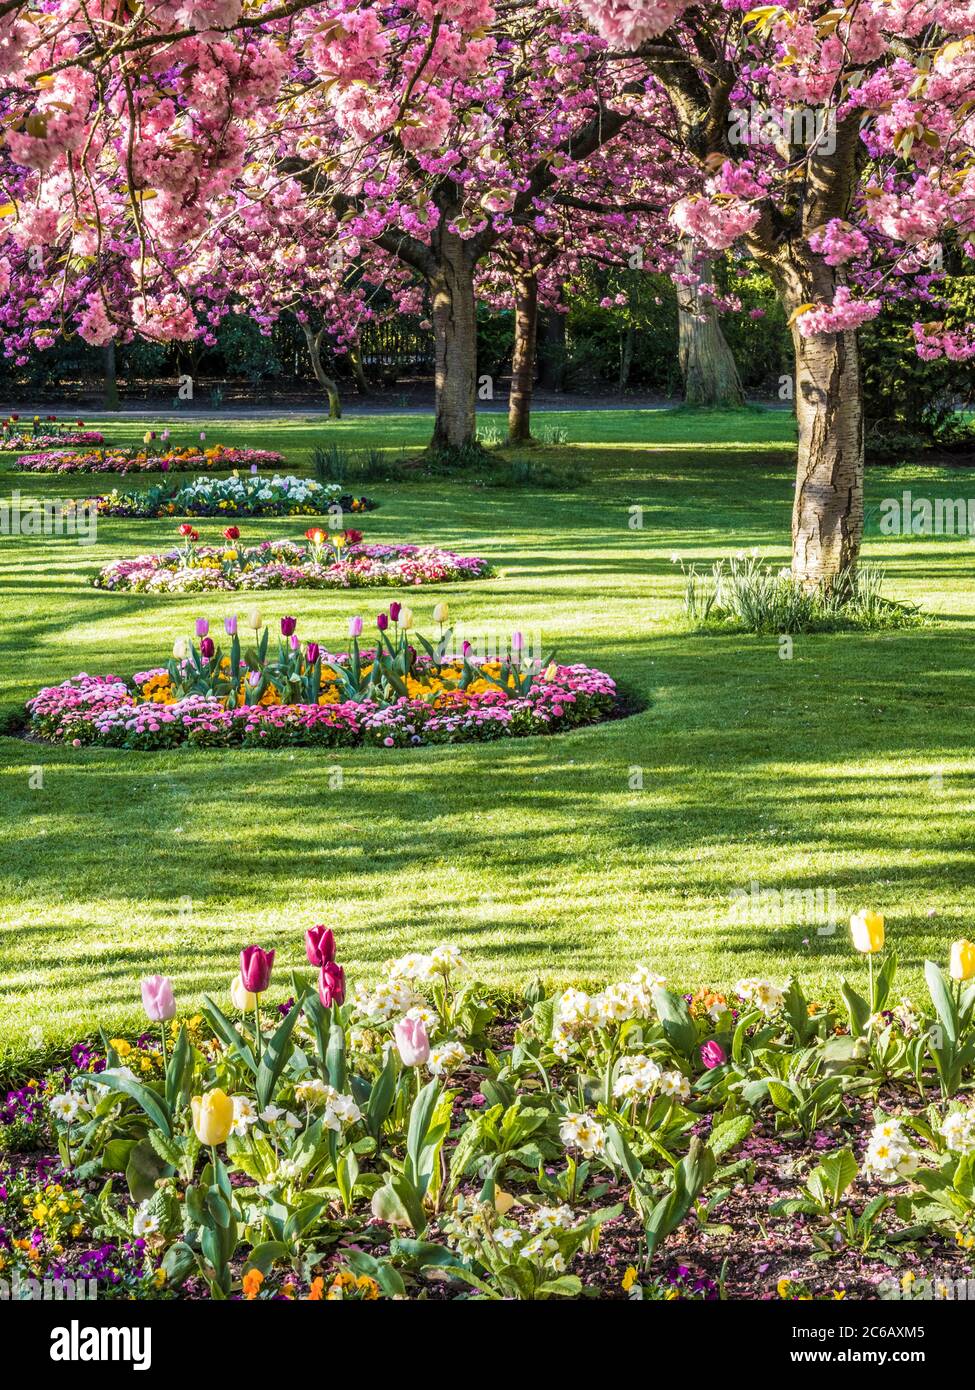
(325, 560)
(250, 495)
(416, 1140)
(131, 460)
(407, 690)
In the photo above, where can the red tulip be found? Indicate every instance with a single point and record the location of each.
(331, 984)
(353, 537)
(232, 533)
(186, 529)
(320, 945)
(255, 968)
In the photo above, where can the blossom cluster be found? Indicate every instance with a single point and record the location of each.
(890, 1156)
(248, 495)
(288, 564)
(125, 460)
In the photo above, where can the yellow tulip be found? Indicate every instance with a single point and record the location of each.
(243, 999)
(213, 1117)
(254, 619)
(868, 931)
(405, 618)
(962, 965)
(441, 613)
(551, 671)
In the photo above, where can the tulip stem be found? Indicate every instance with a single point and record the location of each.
(870, 970)
(257, 1026)
(162, 1030)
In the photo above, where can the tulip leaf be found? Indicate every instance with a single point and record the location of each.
(421, 1115)
(317, 1016)
(941, 998)
(179, 1073)
(178, 1264)
(675, 1017)
(275, 1055)
(381, 1096)
(153, 1104)
(263, 1256)
(144, 1169)
(335, 1057)
(228, 1034)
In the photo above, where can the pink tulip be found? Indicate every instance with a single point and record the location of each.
(320, 945)
(412, 1042)
(712, 1054)
(255, 968)
(331, 984)
(355, 627)
(157, 998)
(202, 627)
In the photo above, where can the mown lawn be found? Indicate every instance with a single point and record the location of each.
(847, 769)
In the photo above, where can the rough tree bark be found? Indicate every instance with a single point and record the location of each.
(827, 514)
(523, 359)
(455, 341)
(707, 364)
(328, 384)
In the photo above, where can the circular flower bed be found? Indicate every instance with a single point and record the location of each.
(325, 560)
(144, 460)
(250, 495)
(393, 695)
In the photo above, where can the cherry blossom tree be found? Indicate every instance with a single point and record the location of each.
(834, 143)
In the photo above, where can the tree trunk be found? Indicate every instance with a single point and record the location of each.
(358, 372)
(706, 361)
(827, 516)
(626, 358)
(455, 337)
(523, 359)
(111, 378)
(328, 384)
(551, 353)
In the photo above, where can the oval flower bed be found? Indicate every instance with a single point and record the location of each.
(407, 691)
(336, 560)
(144, 460)
(250, 495)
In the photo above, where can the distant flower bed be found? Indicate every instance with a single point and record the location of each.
(408, 690)
(249, 495)
(146, 460)
(325, 560)
(50, 432)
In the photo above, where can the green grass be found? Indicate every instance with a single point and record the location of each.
(849, 767)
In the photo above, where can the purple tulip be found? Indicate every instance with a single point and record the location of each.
(394, 611)
(712, 1054)
(202, 627)
(255, 968)
(517, 641)
(467, 648)
(320, 945)
(312, 652)
(382, 622)
(288, 626)
(157, 998)
(355, 627)
(331, 984)
(207, 648)
(230, 625)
